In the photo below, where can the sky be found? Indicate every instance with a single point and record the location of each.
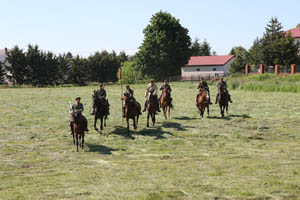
(86, 26)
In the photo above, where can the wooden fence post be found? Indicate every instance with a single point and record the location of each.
(247, 69)
(261, 69)
(276, 69)
(293, 66)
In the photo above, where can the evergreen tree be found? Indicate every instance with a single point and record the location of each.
(78, 72)
(17, 66)
(196, 48)
(64, 67)
(205, 49)
(2, 73)
(166, 47)
(240, 60)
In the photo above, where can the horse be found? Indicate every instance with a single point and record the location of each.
(78, 128)
(151, 108)
(223, 101)
(132, 111)
(165, 102)
(101, 112)
(202, 102)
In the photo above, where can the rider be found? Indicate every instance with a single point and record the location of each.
(77, 109)
(128, 93)
(222, 85)
(151, 87)
(101, 94)
(203, 86)
(168, 87)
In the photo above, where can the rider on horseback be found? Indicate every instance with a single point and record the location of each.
(76, 110)
(203, 86)
(100, 94)
(168, 87)
(129, 94)
(222, 85)
(151, 87)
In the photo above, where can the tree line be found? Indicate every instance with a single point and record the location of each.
(274, 47)
(166, 48)
(40, 68)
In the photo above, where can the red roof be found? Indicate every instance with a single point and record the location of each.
(209, 60)
(295, 32)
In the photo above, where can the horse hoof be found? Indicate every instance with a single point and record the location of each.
(96, 129)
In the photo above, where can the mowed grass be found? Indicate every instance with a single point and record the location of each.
(252, 154)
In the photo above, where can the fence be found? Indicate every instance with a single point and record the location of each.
(278, 70)
(207, 76)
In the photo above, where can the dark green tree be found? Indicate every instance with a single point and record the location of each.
(78, 72)
(17, 66)
(2, 73)
(205, 49)
(122, 57)
(196, 48)
(166, 47)
(64, 67)
(275, 47)
(240, 60)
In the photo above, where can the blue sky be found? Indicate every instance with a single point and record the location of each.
(86, 26)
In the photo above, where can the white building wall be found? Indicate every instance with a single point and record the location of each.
(206, 70)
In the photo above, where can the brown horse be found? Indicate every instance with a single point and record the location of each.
(101, 112)
(223, 99)
(165, 102)
(132, 111)
(151, 108)
(79, 128)
(202, 102)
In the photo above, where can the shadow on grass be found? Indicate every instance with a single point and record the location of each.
(184, 118)
(244, 116)
(156, 132)
(174, 125)
(101, 149)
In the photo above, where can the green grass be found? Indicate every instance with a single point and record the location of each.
(252, 154)
(265, 83)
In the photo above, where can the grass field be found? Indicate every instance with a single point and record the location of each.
(252, 154)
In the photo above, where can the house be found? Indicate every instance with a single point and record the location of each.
(207, 66)
(295, 32)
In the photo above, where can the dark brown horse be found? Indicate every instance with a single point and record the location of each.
(165, 102)
(151, 108)
(132, 111)
(202, 102)
(223, 99)
(101, 111)
(79, 128)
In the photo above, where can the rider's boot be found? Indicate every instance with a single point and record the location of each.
(71, 127)
(93, 112)
(229, 98)
(145, 106)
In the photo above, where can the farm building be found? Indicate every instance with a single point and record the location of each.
(207, 66)
(295, 32)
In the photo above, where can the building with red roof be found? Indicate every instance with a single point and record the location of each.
(207, 66)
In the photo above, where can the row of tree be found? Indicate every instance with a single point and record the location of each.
(274, 47)
(39, 68)
(166, 47)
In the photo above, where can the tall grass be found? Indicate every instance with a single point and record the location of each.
(265, 82)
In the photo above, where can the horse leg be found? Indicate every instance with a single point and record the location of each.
(127, 121)
(134, 124)
(169, 108)
(101, 125)
(77, 141)
(207, 110)
(153, 119)
(165, 111)
(105, 120)
(227, 109)
(148, 119)
(95, 123)
(82, 142)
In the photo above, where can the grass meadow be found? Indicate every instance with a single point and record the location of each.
(252, 154)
